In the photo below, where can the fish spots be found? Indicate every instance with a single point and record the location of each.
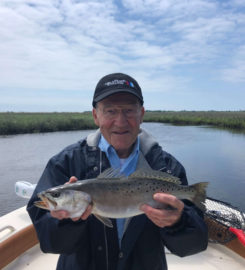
(129, 191)
(154, 188)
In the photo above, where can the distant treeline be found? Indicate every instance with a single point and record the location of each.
(18, 123)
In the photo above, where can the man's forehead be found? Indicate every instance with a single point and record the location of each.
(119, 99)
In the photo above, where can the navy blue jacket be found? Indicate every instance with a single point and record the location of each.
(89, 245)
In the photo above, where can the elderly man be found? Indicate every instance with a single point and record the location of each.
(132, 244)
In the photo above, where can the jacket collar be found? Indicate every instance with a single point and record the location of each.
(146, 140)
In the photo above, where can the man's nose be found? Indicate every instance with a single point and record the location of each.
(121, 118)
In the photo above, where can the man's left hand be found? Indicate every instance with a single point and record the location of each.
(163, 217)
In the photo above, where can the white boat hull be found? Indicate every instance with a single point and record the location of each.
(20, 250)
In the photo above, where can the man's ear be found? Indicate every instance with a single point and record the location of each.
(95, 116)
(142, 114)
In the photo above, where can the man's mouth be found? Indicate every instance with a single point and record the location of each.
(120, 132)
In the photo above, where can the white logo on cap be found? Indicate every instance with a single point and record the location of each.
(115, 82)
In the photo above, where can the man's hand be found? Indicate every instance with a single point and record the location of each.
(162, 217)
(61, 214)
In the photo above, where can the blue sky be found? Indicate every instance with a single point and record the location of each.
(185, 54)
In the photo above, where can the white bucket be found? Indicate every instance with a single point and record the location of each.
(24, 189)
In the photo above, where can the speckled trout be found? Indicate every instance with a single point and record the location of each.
(113, 195)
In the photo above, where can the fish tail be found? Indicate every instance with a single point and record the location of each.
(200, 195)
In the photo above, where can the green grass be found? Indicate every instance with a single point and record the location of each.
(233, 120)
(17, 123)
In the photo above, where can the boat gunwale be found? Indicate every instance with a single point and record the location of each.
(16, 244)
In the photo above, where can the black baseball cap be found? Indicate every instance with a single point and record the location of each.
(116, 83)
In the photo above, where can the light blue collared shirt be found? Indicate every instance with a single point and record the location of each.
(127, 167)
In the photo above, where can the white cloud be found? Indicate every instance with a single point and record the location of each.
(69, 45)
(235, 3)
(236, 71)
(170, 9)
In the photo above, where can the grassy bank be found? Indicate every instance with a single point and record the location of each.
(233, 120)
(17, 123)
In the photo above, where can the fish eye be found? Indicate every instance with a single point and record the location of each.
(55, 194)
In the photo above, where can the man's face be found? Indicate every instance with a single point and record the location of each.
(119, 117)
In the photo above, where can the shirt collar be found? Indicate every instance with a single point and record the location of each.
(130, 163)
(109, 149)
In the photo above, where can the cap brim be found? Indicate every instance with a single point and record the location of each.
(115, 91)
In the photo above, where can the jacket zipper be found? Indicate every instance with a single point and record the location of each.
(106, 249)
(105, 236)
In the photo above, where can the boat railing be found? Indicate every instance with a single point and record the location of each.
(16, 244)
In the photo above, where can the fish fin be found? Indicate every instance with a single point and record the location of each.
(153, 174)
(106, 221)
(200, 195)
(111, 173)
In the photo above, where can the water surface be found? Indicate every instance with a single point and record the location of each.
(208, 154)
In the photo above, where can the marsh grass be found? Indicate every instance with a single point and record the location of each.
(18, 123)
(233, 120)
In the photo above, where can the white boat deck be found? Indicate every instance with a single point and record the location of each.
(216, 257)
(34, 259)
(18, 219)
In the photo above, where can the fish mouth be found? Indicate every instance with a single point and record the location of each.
(44, 203)
(41, 204)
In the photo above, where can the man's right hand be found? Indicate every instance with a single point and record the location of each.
(61, 214)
